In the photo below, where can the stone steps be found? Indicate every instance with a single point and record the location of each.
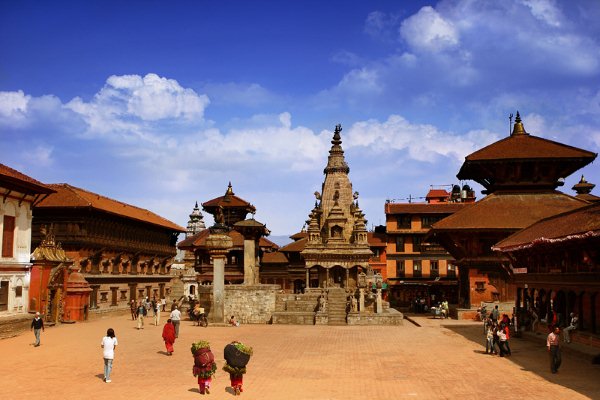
(336, 307)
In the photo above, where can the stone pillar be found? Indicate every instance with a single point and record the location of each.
(326, 277)
(379, 308)
(307, 278)
(250, 275)
(347, 277)
(361, 300)
(218, 244)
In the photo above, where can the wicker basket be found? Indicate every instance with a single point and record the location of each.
(235, 357)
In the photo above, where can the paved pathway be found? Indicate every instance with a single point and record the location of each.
(439, 360)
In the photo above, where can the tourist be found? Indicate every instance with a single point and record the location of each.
(163, 302)
(37, 325)
(489, 342)
(507, 341)
(176, 319)
(133, 308)
(174, 305)
(156, 314)
(535, 319)
(495, 314)
(500, 332)
(168, 336)
(554, 349)
(572, 326)
(233, 322)
(109, 344)
(141, 312)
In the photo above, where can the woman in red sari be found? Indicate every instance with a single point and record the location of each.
(169, 336)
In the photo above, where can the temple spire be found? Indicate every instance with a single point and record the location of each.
(518, 128)
(336, 161)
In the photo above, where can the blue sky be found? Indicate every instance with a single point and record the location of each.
(162, 103)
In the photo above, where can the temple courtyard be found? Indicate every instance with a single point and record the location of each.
(437, 360)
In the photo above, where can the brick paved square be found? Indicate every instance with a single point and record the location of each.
(439, 360)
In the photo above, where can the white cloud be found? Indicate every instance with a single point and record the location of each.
(429, 31)
(13, 106)
(422, 142)
(545, 10)
(131, 106)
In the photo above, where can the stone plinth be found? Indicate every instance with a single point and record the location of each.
(388, 317)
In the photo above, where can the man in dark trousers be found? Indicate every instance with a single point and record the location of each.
(37, 325)
(554, 349)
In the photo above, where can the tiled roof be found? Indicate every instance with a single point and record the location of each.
(296, 246)
(228, 201)
(588, 197)
(14, 177)
(299, 235)
(424, 208)
(68, 196)
(199, 240)
(527, 147)
(437, 193)
(509, 211)
(575, 224)
(377, 239)
(275, 257)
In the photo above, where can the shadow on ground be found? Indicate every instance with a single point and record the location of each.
(531, 355)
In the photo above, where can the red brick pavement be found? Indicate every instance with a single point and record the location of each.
(290, 362)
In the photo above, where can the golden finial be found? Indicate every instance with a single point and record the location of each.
(518, 128)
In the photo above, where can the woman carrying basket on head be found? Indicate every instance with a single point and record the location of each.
(204, 365)
(237, 356)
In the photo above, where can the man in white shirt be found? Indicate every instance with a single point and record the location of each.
(175, 319)
(572, 326)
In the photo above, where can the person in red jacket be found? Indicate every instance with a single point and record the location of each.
(169, 336)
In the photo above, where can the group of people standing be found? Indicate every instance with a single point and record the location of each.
(497, 334)
(142, 309)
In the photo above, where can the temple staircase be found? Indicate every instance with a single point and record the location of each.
(336, 306)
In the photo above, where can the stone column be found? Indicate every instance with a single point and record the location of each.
(218, 244)
(361, 300)
(379, 309)
(249, 261)
(307, 278)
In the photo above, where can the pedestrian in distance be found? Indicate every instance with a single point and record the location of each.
(553, 344)
(573, 322)
(141, 312)
(163, 302)
(37, 325)
(168, 336)
(156, 314)
(176, 319)
(108, 344)
(133, 309)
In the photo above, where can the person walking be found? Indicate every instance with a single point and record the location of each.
(572, 326)
(176, 319)
(495, 314)
(489, 341)
(156, 313)
(37, 325)
(204, 365)
(133, 309)
(168, 336)
(163, 302)
(141, 311)
(109, 344)
(554, 349)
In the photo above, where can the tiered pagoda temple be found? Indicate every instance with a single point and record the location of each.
(230, 211)
(520, 175)
(337, 249)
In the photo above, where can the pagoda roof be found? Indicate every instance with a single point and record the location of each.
(509, 211)
(576, 224)
(424, 208)
(299, 235)
(296, 246)
(71, 197)
(274, 257)
(13, 179)
(229, 200)
(199, 240)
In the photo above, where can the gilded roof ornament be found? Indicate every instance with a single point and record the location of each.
(518, 128)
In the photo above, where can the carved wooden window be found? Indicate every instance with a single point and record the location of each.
(417, 269)
(403, 221)
(400, 269)
(123, 295)
(400, 244)
(8, 236)
(103, 297)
